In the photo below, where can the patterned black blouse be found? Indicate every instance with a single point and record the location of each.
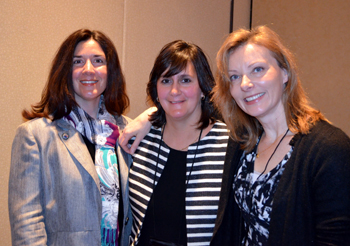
(254, 195)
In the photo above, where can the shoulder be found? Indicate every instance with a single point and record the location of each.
(37, 124)
(325, 145)
(122, 121)
(324, 136)
(154, 132)
(219, 129)
(44, 130)
(220, 125)
(36, 132)
(324, 129)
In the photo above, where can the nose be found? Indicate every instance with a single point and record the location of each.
(246, 83)
(175, 89)
(88, 67)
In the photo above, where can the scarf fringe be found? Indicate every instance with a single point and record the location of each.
(109, 237)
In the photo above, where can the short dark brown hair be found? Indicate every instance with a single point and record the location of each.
(174, 57)
(57, 98)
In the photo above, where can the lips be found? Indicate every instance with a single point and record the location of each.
(88, 82)
(174, 102)
(252, 98)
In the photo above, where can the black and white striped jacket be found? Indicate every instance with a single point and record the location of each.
(203, 189)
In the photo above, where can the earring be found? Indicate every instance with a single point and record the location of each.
(203, 98)
(157, 99)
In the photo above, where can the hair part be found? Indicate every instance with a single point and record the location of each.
(300, 115)
(57, 98)
(173, 58)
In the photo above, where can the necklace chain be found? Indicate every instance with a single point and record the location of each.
(160, 143)
(188, 177)
(258, 154)
(267, 163)
(189, 144)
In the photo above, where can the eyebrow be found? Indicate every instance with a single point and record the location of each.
(181, 76)
(185, 75)
(74, 56)
(254, 63)
(249, 66)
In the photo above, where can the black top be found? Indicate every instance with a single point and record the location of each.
(165, 219)
(90, 146)
(311, 204)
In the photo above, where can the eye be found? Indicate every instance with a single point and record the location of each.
(258, 69)
(234, 77)
(78, 61)
(165, 81)
(99, 60)
(186, 80)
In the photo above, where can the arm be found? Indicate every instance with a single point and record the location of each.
(24, 197)
(331, 186)
(138, 128)
(313, 191)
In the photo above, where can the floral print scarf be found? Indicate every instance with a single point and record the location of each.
(103, 133)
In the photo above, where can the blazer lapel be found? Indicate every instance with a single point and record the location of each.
(75, 144)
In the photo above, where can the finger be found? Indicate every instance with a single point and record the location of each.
(124, 143)
(135, 144)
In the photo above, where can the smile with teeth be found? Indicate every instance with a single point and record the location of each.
(87, 82)
(249, 99)
(174, 102)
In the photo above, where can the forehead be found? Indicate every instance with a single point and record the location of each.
(188, 69)
(88, 47)
(250, 53)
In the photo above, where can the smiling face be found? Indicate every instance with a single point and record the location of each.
(89, 74)
(180, 95)
(257, 82)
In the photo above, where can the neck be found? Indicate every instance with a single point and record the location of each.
(180, 135)
(91, 109)
(274, 128)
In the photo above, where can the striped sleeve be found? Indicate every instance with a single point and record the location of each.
(203, 189)
(204, 181)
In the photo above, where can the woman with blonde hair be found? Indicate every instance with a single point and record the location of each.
(287, 170)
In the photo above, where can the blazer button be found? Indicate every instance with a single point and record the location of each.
(65, 136)
(126, 220)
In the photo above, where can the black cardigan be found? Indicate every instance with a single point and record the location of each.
(312, 201)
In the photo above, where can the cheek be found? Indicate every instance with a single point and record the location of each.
(75, 74)
(162, 91)
(103, 86)
(192, 91)
(233, 91)
(102, 72)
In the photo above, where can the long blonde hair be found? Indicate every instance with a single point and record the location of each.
(244, 128)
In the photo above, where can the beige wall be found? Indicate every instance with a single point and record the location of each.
(31, 32)
(150, 25)
(318, 32)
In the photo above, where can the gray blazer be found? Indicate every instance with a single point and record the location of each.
(54, 189)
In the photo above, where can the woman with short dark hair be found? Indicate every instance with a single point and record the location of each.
(177, 168)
